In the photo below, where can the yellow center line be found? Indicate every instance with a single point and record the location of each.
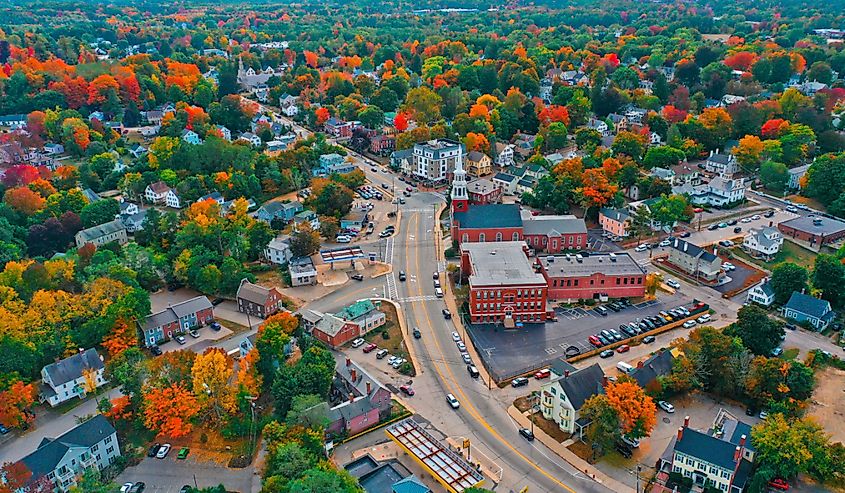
(446, 382)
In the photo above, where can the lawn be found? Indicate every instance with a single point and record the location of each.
(395, 341)
(789, 353)
(789, 252)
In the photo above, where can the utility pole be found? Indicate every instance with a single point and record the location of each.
(638, 477)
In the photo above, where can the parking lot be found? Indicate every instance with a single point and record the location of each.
(510, 352)
(170, 474)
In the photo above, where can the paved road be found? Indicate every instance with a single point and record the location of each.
(170, 474)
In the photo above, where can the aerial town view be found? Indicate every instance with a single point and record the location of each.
(251, 246)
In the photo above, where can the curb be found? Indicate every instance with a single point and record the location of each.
(406, 336)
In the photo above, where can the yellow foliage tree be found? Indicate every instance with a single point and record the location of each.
(749, 151)
(211, 373)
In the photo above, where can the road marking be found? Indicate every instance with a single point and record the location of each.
(412, 299)
(551, 350)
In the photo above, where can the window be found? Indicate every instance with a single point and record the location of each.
(482, 237)
(617, 281)
(464, 238)
(515, 237)
(110, 450)
(499, 236)
(108, 439)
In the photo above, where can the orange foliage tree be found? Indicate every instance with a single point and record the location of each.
(248, 378)
(477, 142)
(773, 128)
(24, 200)
(15, 403)
(554, 113)
(597, 189)
(98, 90)
(322, 115)
(479, 110)
(120, 409)
(400, 121)
(636, 410)
(122, 337)
(169, 410)
(742, 60)
(310, 58)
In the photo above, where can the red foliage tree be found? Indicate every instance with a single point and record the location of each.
(400, 121)
(554, 113)
(773, 128)
(20, 175)
(322, 115)
(742, 60)
(99, 88)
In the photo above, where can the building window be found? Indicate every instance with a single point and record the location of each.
(499, 236)
(515, 237)
(110, 450)
(482, 237)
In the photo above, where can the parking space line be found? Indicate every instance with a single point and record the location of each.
(550, 350)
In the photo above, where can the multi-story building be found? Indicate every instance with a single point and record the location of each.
(805, 308)
(434, 160)
(102, 234)
(554, 234)
(563, 395)
(277, 209)
(176, 319)
(359, 400)
(795, 176)
(483, 191)
(504, 287)
(71, 377)
(721, 164)
(350, 323)
(278, 251)
(588, 276)
(762, 293)
(695, 260)
(258, 301)
(172, 199)
(814, 232)
(615, 221)
(504, 154)
(156, 193)
(478, 164)
(763, 243)
(92, 444)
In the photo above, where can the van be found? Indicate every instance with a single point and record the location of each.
(624, 367)
(343, 239)
(438, 292)
(473, 371)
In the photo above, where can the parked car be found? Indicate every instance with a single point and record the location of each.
(732, 222)
(607, 353)
(473, 371)
(666, 242)
(343, 239)
(3, 430)
(624, 450)
(215, 326)
(631, 442)
(641, 248)
(673, 283)
(358, 343)
(194, 333)
(648, 339)
(669, 408)
(779, 484)
(461, 346)
(623, 348)
(594, 340)
(738, 229)
(703, 319)
(689, 324)
(685, 234)
(183, 453)
(138, 487)
(381, 354)
(153, 450)
(528, 434)
(417, 333)
(155, 350)
(369, 348)
(456, 337)
(769, 214)
(126, 487)
(180, 339)
(357, 277)
(163, 451)
(407, 390)
(519, 382)
(777, 351)
(713, 227)
(544, 373)
(467, 359)
(453, 402)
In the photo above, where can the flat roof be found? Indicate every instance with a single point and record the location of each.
(481, 186)
(447, 467)
(341, 254)
(501, 263)
(826, 226)
(569, 266)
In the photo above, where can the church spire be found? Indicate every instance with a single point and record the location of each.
(460, 199)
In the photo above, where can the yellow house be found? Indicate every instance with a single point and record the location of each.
(479, 164)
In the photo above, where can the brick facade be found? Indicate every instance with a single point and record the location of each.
(587, 287)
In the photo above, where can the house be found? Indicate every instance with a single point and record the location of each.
(504, 154)
(684, 174)
(307, 216)
(434, 160)
(763, 243)
(176, 319)
(257, 300)
(333, 163)
(134, 222)
(251, 138)
(154, 117)
(225, 133)
(350, 323)
(695, 260)
(813, 231)
(172, 199)
(338, 128)
(12, 153)
(334, 331)
(388, 476)
(647, 372)
(663, 174)
(365, 314)
(721, 164)
(288, 104)
(302, 271)
(62, 460)
(137, 150)
(795, 176)
(96, 115)
(478, 164)
(620, 122)
(191, 137)
(554, 234)
(156, 193)
(615, 221)
(71, 377)
(599, 126)
(762, 294)
(102, 234)
(563, 395)
(720, 192)
(90, 195)
(382, 144)
(213, 196)
(13, 122)
(721, 459)
(53, 148)
(354, 220)
(810, 88)
(402, 161)
(505, 182)
(278, 251)
(359, 401)
(483, 191)
(128, 208)
(278, 210)
(524, 144)
(805, 308)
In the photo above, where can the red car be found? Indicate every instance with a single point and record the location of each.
(594, 340)
(544, 373)
(623, 348)
(779, 484)
(370, 348)
(407, 390)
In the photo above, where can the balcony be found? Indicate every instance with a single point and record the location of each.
(88, 461)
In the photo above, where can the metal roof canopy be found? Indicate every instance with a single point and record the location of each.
(341, 254)
(449, 468)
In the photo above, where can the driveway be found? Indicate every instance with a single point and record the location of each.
(169, 475)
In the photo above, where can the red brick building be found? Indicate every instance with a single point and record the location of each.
(484, 191)
(587, 276)
(335, 331)
(257, 300)
(504, 287)
(554, 234)
(816, 231)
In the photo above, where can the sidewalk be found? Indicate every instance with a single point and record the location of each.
(568, 455)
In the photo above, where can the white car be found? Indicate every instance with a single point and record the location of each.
(392, 360)
(396, 364)
(126, 487)
(456, 337)
(631, 442)
(343, 239)
(673, 283)
(453, 402)
(461, 346)
(669, 408)
(689, 324)
(745, 220)
(357, 343)
(163, 451)
(666, 242)
(755, 217)
(641, 248)
(703, 319)
(728, 266)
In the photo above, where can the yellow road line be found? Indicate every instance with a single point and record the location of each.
(469, 407)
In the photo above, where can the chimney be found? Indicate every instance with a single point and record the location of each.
(680, 433)
(604, 381)
(639, 364)
(565, 373)
(348, 362)
(742, 441)
(354, 375)
(737, 454)
(685, 246)
(686, 421)
(369, 388)
(771, 223)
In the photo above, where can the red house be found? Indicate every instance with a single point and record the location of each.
(484, 191)
(382, 144)
(554, 234)
(587, 276)
(338, 128)
(257, 300)
(359, 400)
(335, 331)
(504, 287)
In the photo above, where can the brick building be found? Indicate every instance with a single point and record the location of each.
(816, 231)
(484, 191)
(504, 286)
(257, 300)
(586, 276)
(554, 234)
(177, 319)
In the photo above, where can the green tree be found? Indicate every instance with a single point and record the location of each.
(286, 462)
(829, 278)
(789, 448)
(325, 480)
(662, 157)
(786, 279)
(630, 144)
(127, 371)
(312, 374)
(99, 212)
(774, 176)
(92, 481)
(604, 427)
(304, 242)
(668, 210)
(759, 333)
(308, 410)
(423, 104)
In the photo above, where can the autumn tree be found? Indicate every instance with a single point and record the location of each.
(630, 144)
(123, 336)
(423, 104)
(16, 403)
(211, 373)
(170, 410)
(273, 335)
(749, 151)
(636, 410)
(790, 448)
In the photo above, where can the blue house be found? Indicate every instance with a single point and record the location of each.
(191, 137)
(281, 210)
(333, 163)
(805, 308)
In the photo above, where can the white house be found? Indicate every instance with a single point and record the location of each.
(599, 126)
(795, 175)
(156, 193)
(250, 137)
(224, 132)
(504, 154)
(762, 294)
(278, 251)
(63, 459)
(722, 164)
(763, 243)
(172, 199)
(302, 271)
(71, 377)
(563, 395)
(719, 192)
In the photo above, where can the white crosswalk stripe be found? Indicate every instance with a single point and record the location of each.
(412, 299)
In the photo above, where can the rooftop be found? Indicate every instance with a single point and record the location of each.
(808, 305)
(356, 310)
(553, 225)
(591, 263)
(50, 452)
(481, 186)
(707, 448)
(174, 312)
(71, 368)
(101, 230)
(692, 250)
(582, 384)
(501, 263)
(301, 265)
(253, 292)
(490, 216)
(824, 226)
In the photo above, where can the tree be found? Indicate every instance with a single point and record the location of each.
(286, 461)
(169, 410)
(786, 279)
(304, 242)
(669, 210)
(273, 335)
(172, 367)
(24, 200)
(312, 374)
(829, 278)
(774, 176)
(16, 403)
(604, 428)
(99, 212)
(662, 157)
(92, 481)
(825, 178)
(790, 447)
(630, 144)
(306, 410)
(774, 382)
(423, 104)
(749, 151)
(636, 410)
(759, 333)
(211, 373)
(325, 480)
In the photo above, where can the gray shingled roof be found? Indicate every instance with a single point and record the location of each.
(692, 250)
(808, 305)
(71, 368)
(175, 312)
(253, 292)
(582, 384)
(658, 365)
(707, 448)
(615, 214)
(51, 451)
(551, 225)
(101, 230)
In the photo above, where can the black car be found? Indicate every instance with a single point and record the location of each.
(769, 214)
(685, 234)
(519, 382)
(417, 333)
(401, 275)
(732, 222)
(216, 326)
(603, 340)
(649, 324)
(738, 229)
(648, 339)
(185, 489)
(607, 353)
(713, 227)
(155, 350)
(137, 487)
(217, 301)
(357, 277)
(528, 434)
(624, 450)
(446, 313)
(153, 450)
(750, 411)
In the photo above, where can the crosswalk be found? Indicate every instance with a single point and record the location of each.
(414, 299)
